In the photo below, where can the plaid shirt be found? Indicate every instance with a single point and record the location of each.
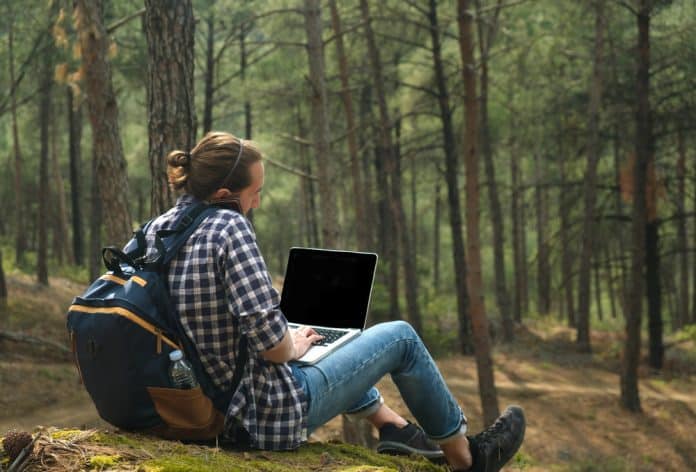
(221, 288)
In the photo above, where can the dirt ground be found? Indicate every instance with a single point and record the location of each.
(575, 422)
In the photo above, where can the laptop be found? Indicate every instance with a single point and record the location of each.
(329, 291)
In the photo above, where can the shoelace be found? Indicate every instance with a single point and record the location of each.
(492, 432)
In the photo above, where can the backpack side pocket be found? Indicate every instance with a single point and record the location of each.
(187, 413)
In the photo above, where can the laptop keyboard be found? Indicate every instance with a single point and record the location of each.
(330, 336)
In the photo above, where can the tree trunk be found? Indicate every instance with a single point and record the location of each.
(653, 287)
(209, 73)
(436, 236)
(452, 180)
(21, 236)
(693, 280)
(75, 140)
(44, 193)
(518, 259)
(111, 175)
(359, 203)
(320, 124)
(169, 29)
(392, 170)
(589, 226)
(542, 219)
(566, 254)
(682, 244)
(248, 123)
(487, 31)
(61, 232)
(3, 288)
(479, 322)
(630, 398)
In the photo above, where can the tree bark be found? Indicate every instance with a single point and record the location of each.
(75, 140)
(3, 289)
(518, 259)
(566, 254)
(486, 35)
(630, 398)
(209, 73)
(589, 229)
(44, 159)
(392, 170)
(452, 180)
(111, 176)
(682, 244)
(61, 232)
(21, 236)
(542, 220)
(169, 29)
(320, 124)
(359, 203)
(479, 322)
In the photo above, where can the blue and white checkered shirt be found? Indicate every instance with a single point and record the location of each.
(221, 289)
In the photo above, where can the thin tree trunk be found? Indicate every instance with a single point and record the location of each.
(597, 288)
(682, 245)
(630, 398)
(543, 266)
(653, 286)
(111, 176)
(75, 141)
(610, 281)
(693, 280)
(359, 203)
(566, 255)
(320, 124)
(436, 237)
(209, 73)
(243, 55)
(3, 288)
(452, 180)
(589, 229)
(169, 30)
(44, 159)
(487, 31)
(392, 170)
(519, 265)
(61, 231)
(21, 236)
(479, 322)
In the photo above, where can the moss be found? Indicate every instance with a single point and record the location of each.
(103, 461)
(65, 434)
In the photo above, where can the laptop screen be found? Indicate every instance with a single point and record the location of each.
(328, 288)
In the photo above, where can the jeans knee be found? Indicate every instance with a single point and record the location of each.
(404, 329)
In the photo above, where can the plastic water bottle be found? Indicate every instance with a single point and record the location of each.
(180, 371)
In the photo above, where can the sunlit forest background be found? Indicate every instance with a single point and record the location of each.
(509, 160)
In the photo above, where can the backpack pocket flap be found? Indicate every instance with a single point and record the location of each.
(187, 413)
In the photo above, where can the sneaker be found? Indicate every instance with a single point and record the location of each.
(410, 439)
(493, 447)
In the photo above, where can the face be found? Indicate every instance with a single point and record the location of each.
(250, 197)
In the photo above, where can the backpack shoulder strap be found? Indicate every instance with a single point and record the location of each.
(169, 241)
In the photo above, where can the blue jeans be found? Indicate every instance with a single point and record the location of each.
(343, 382)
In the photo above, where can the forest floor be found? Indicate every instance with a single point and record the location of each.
(571, 400)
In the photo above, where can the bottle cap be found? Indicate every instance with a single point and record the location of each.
(176, 355)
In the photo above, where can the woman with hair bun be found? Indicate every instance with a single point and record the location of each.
(222, 293)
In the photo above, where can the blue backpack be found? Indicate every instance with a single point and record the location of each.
(122, 329)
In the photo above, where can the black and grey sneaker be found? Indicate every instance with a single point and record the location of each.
(410, 439)
(494, 446)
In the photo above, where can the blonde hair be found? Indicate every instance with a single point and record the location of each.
(219, 160)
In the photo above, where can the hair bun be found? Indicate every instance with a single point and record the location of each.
(179, 159)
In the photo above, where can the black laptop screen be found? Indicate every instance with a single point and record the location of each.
(328, 288)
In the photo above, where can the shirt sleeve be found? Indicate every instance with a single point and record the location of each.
(250, 294)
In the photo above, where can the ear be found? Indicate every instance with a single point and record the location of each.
(220, 194)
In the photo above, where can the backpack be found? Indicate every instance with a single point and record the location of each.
(122, 329)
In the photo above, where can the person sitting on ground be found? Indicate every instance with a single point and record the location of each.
(222, 292)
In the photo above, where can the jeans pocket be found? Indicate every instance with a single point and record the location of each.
(187, 414)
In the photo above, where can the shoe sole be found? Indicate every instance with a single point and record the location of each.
(400, 449)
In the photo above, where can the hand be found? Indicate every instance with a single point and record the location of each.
(303, 338)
